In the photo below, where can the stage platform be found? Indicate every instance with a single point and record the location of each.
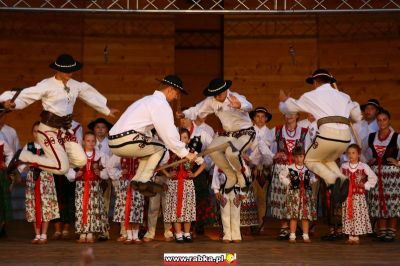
(263, 249)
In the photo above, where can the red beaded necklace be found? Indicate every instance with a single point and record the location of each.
(291, 135)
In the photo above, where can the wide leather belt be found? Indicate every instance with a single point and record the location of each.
(237, 134)
(126, 133)
(333, 119)
(53, 120)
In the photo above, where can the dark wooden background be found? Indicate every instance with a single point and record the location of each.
(123, 54)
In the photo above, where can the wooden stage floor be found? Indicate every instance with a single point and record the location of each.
(254, 250)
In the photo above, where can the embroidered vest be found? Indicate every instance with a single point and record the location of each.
(295, 180)
(283, 147)
(391, 149)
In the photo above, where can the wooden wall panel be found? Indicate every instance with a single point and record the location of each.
(362, 51)
(139, 50)
(198, 55)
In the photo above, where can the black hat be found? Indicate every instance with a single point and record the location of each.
(264, 110)
(92, 124)
(321, 73)
(373, 102)
(216, 86)
(66, 64)
(173, 81)
(195, 144)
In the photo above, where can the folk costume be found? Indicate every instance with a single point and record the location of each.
(238, 129)
(180, 204)
(364, 128)
(66, 191)
(131, 136)
(355, 215)
(41, 203)
(261, 161)
(384, 200)
(55, 136)
(129, 204)
(90, 213)
(332, 109)
(9, 135)
(300, 204)
(285, 141)
(229, 206)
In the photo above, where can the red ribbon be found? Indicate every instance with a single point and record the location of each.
(88, 175)
(352, 184)
(181, 176)
(38, 204)
(128, 206)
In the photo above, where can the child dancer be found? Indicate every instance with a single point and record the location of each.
(40, 194)
(90, 211)
(300, 205)
(355, 215)
(129, 204)
(230, 207)
(181, 197)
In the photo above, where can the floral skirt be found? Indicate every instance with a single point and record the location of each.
(278, 193)
(5, 197)
(97, 220)
(137, 204)
(188, 211)
(48, 197)
(391, 193)
(360, 223)
(248, 210)
(300, 209)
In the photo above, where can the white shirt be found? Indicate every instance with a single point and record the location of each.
(363, 129)
(103, 147)
(219, 178)
(77, 128)
(55, 98)
(205, 127)
(9, 135)
(372, 178)
(260, 153)
(206, 134)
(150, 112)
(7, 152)
(322, 102)
(203, 133)
(114, 168)
(232, 119)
